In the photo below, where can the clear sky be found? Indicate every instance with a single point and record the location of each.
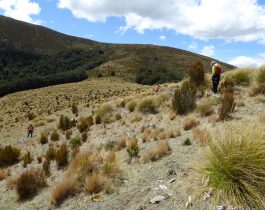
(229, 30)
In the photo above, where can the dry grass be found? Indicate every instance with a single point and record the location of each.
(55, 136)
(85, 123)
(46, 167)
(9, 156)
(234, 166)
(11, 182)
(105, 114)
(205, 107)
(30, 183)
(132, 147)
(159, 151)
(68, 134)
(4, 173)
(131, 105)
(66, 188)
(44, 137)
(227, 106)
(61, 156)
(147, 134)
(190, 122)
(84, 136)
(202, 136)
(260, 77)
(26, 159)
(135, 118)
(172, 115)
(96, 183)
(120, 144)
(148, 105)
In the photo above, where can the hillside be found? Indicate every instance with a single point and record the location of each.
(131, 145)
(33, 56)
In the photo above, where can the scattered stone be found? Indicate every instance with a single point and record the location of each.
(221, 208)
(188, 203)
(157, 199)
(163, 187)
(171, 180)
(207, 195)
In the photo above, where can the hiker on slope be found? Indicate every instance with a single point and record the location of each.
(216, 72)
(30, 130)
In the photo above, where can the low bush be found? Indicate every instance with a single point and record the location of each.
(227, 106)
(61, 156)
(64, 123)
(30, 116)
(184, 98)
(148, 105)
(159, 151)
(197, 74)
(44, 137)
(30, 183)
(9, 156)
(233, 165)
(186, 142)
(132, 147)
(76, 141)
(204, 107)
(55, 136)
(26, 159)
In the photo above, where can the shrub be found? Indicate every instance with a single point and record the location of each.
(68, 134)
(148, 105)
(227, 106)
(85, 123)
(4, 173)
(132, 147)
(64, 123)
(184, 98)
(30, 116)
(84, 137)
(159, 151)
(96, 183)
(76, 141)
(26, 159)
(9, 156)
(46, 167)
(190, 122)
(61, 156)
(64, 189)
(29, 183)
(197, 74)
(204, 107)
(242, 77)
(131, 105)
(44, 137)
(55, 136)
(231, 162)
(74, 109)
(202, 136)
(260, 78)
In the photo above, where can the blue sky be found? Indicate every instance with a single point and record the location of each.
(229, 30)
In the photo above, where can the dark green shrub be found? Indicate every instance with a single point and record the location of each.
(76, 141)
(184, 98)
(9, 156)
(197, 74)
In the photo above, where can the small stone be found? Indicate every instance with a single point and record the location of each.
(157, 199)
(172, 180)
(188, 203)
(220, 208)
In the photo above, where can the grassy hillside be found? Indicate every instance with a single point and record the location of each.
(33, 56)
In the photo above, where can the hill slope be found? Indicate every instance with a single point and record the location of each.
(33, 56)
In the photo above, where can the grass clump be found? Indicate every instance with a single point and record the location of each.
(227, 106)
(159, 151)
(96, 183)
(9, 156)
(184, 98)
(190, 122)
(55, 136)
(148, 105)
(131, 105)
(260, 77)
(30, 183)
(104, 114)
(234, 166)
(132, 147)
(205, 107)
(61, 156)
(76, 141)
(46, 167)
(74, 109)
(44, 137)
(68, 134)
(186, 142)
(64, 123)
(202, 136)
(30, 115)
(242, 77)
(197, 74)
(257, 90)
(84, 123)
(120, 144)
(26, 159)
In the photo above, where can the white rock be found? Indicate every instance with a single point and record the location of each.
(188, 203)
(220, 208)
(157, 199)
(172, 180)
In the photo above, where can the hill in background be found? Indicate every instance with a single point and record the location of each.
(33, 56)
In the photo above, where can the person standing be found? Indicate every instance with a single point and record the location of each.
(216, 72)
(30, 130)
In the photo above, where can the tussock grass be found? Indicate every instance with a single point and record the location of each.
(44, 137)
(26, 159)
(85, 123)
(68, 134)
(257, 90)
(196, 73)
(120, 144)
(61, 156)
(205, 107)
(64, 123)
(260, 77)
(132, 147)
(159, 151)
(9, 156)
(190, 122)
(55, 136)
(202, 136)
(96, 183)
(135, 118)
(242, 76)
(227, 106)
(234, 166)
(131, 105)
(148, 105)
(30, 183)
(105, 114)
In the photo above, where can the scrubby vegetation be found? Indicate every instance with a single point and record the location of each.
(159, 151)
(148, 105)
(227, 106)
(9, 155)
(64, 123)
(197, 74)
(132, 147)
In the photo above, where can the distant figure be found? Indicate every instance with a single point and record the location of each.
(157, 89)
(216, 72)
(30, 130)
